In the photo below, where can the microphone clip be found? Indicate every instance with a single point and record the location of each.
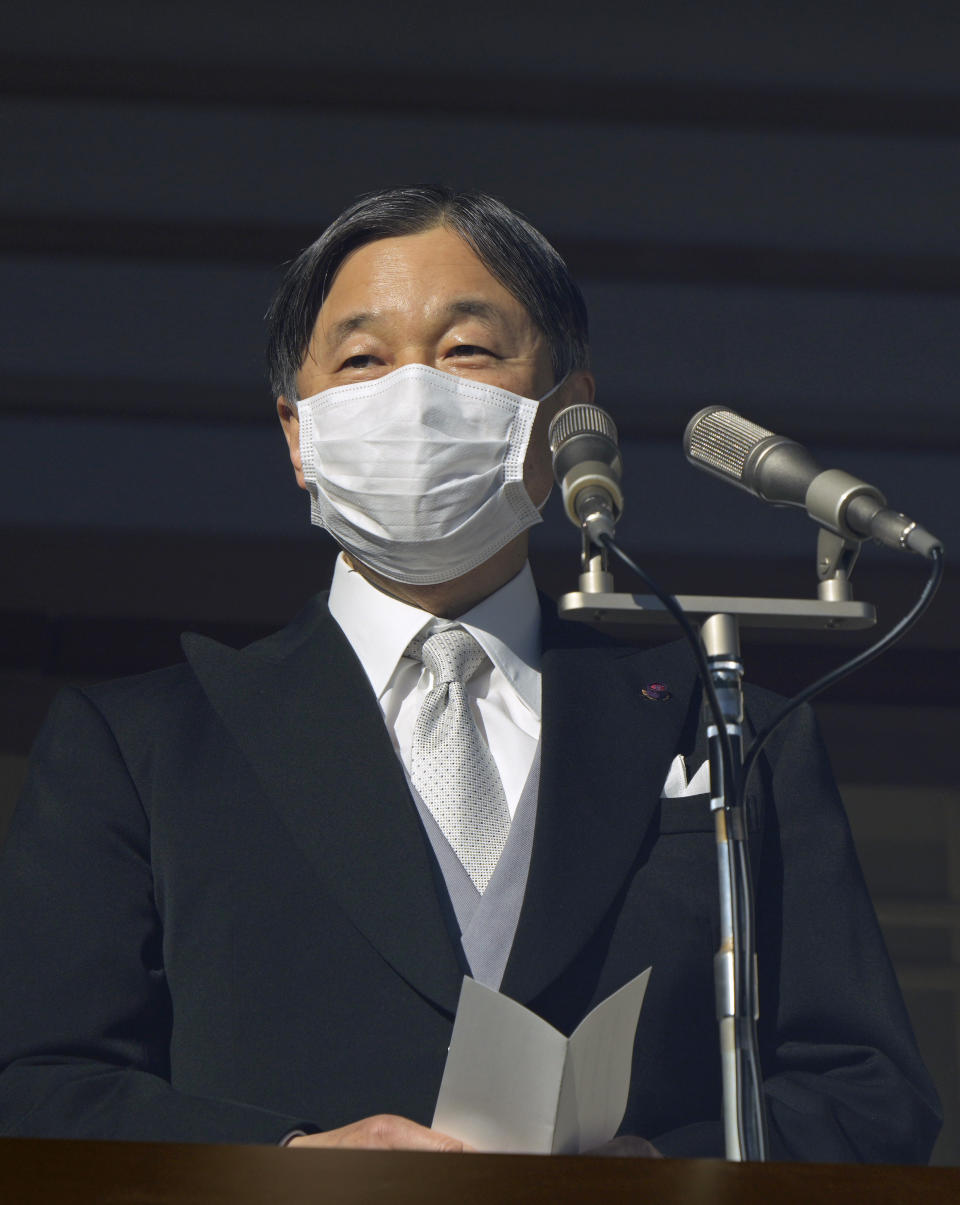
(836, 557)
(595, 576)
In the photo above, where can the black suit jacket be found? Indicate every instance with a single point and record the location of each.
(221, 917)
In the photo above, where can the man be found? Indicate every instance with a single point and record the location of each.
(240, 894)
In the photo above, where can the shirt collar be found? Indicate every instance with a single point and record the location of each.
(506, 625)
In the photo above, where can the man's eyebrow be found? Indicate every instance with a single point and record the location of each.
(476, 307)
(336, 333)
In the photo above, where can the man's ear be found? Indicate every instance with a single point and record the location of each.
(580, 389)
(290, 422)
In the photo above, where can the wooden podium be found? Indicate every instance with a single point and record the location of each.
(37, 1171)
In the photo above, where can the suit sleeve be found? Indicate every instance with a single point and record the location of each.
(843, 1077)
(84, 1043)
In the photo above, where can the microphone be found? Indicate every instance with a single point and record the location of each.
(782, 472)
(587, 467)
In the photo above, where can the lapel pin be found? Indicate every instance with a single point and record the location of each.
(656, 692)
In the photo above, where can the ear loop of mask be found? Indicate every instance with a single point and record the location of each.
(549, 394)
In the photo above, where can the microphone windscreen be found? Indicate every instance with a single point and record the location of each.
(581, 433)
(720, 439)
(580, 419)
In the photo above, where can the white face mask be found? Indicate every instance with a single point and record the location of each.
(419, 473)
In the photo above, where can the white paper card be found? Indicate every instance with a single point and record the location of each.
(513, 1083)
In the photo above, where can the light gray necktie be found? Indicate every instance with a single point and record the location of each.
(450, 763)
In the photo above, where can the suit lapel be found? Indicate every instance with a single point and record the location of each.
(300, 708)
(606, 751)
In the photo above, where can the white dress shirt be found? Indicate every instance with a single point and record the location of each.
(504, 696)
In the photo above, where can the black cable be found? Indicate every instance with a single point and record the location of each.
(669, 601)
(848, 667)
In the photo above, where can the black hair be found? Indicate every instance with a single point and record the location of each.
(510, 248)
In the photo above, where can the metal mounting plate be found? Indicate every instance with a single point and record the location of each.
(750, 612)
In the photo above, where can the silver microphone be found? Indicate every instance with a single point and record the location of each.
(588, 468)
(782, 472)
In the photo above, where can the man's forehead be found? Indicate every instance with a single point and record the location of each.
(434, 272)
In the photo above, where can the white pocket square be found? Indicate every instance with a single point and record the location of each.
(676, 785)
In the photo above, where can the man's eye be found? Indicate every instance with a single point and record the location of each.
(471, 349)
(363, 361)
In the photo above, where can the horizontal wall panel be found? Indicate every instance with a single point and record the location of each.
(870, 369)
(874, 367)
(142, 476)
(201, 243)
(820, 191)
(135, 321)
(885, 43)
(916, 108)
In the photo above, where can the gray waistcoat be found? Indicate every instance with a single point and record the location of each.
(488, 922)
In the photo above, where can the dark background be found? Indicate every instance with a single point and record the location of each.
(759, 200)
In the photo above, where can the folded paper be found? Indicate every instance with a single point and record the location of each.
(513, 1083)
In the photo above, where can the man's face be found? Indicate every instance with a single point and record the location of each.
(427, 299)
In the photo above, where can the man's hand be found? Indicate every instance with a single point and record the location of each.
(385, 1132)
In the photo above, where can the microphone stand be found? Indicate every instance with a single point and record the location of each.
(720, 619)
(735, 962)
